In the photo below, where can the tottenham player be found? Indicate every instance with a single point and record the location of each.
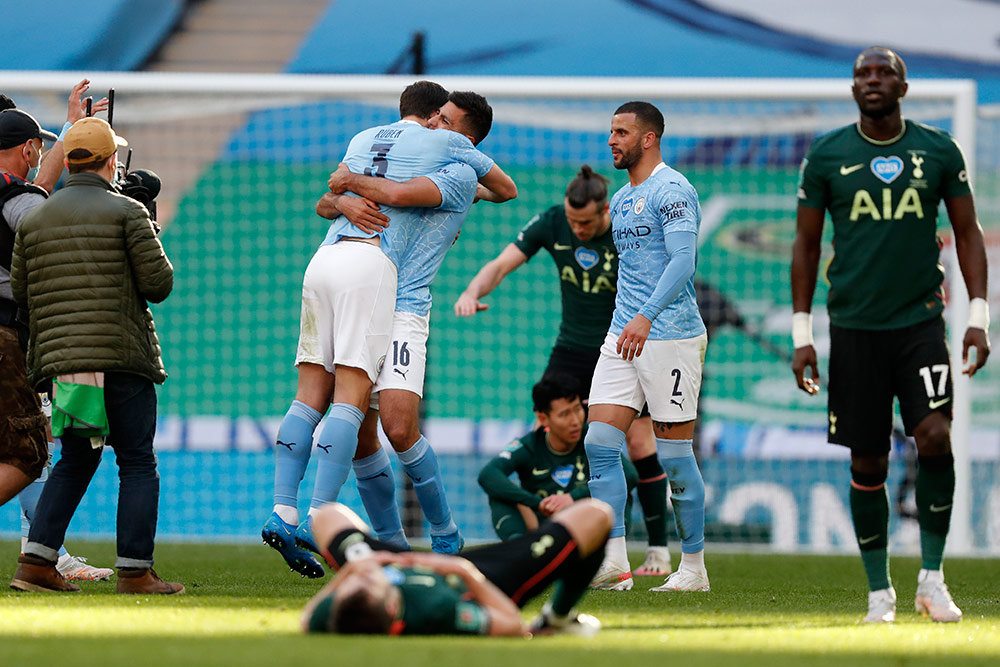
(882, 180)
(655, 348)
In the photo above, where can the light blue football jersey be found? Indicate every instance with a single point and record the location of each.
(416, 239)
(432, 235)
(641, 217)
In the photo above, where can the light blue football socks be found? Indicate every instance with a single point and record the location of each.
(603, 445)
(294, 443)
(687, 491)
(421, 465)
(377, 487)
(334, 451)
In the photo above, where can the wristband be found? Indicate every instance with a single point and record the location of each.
(979, 314)
(802, 330)
(62, 135)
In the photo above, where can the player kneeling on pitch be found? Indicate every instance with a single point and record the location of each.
(382, 591)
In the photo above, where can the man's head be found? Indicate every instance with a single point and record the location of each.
(558, 407)
(91, 145)
(586, 204)
(422, 99)
(879, 82)
(363, 603)
(466, 113)
(6, 103)
(636, 128)
(21, 142)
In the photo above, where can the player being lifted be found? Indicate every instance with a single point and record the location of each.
(399, 386)
(348, 299)
(577, 234)
(655, 348)
(882, 180)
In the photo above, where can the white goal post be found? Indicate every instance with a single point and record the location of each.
(145, 97)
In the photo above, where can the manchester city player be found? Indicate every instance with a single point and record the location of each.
(655, 349)
(348, 299)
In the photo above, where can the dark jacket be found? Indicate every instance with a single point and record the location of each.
(85, 264)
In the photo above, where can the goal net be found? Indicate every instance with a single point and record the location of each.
(244, 158)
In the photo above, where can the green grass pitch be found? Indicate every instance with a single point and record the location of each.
(242, 608)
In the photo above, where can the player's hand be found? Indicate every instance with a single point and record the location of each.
(633, 337)
(77, 107)
(339, 180)
(805, 357)
(363, 214)
(978, 339)
(552, 504)
(467, 305)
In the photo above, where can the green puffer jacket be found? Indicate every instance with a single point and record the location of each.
(85, 263)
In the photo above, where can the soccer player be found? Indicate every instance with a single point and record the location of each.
(882, 180)
(400, 383)
(550, 463)
(348, 298)
(655, 348)
(577, 234)
(379, 591)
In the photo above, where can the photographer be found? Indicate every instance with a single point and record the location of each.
(102, 353)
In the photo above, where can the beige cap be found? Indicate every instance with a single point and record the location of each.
(93, 135)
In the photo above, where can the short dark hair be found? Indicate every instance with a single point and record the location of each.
(80, 154)
(478, 113)
(587, 187)
(422, 99)
(554, 386)
(898, 65)
(6, 103)
(361, 613)
(647, 115)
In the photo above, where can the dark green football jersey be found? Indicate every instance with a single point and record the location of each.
(883, 198)
(588, 276)
(435, 605)
(542, 471)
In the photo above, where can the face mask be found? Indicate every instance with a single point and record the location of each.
(33, 171)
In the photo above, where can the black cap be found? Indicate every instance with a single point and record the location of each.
(16, 127)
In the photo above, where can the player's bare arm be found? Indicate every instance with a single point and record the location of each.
(505, 619)
(362, 213)
(971, 251)
(419, 191)
(805, 268)
(491, 275)
(496, 186)
(51, 165)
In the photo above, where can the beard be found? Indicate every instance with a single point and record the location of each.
(629, 158)
(880, 112)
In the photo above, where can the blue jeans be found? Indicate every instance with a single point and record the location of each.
(130, 401)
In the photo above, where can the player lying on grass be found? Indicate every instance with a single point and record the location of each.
(550, 463)
(382, 591)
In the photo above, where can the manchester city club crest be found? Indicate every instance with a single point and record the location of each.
(639, 205)
(586, 258)
(887, 169)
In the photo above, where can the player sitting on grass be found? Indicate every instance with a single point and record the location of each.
(550, 463)
(381, 591)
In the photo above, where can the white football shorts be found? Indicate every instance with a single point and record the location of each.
(406, 358)
(666, 376)
(348, 298)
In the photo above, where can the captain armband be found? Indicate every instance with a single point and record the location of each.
(979, 314)
(802, 330)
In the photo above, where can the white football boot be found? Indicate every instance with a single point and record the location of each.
(881, 606)
(933, 598)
